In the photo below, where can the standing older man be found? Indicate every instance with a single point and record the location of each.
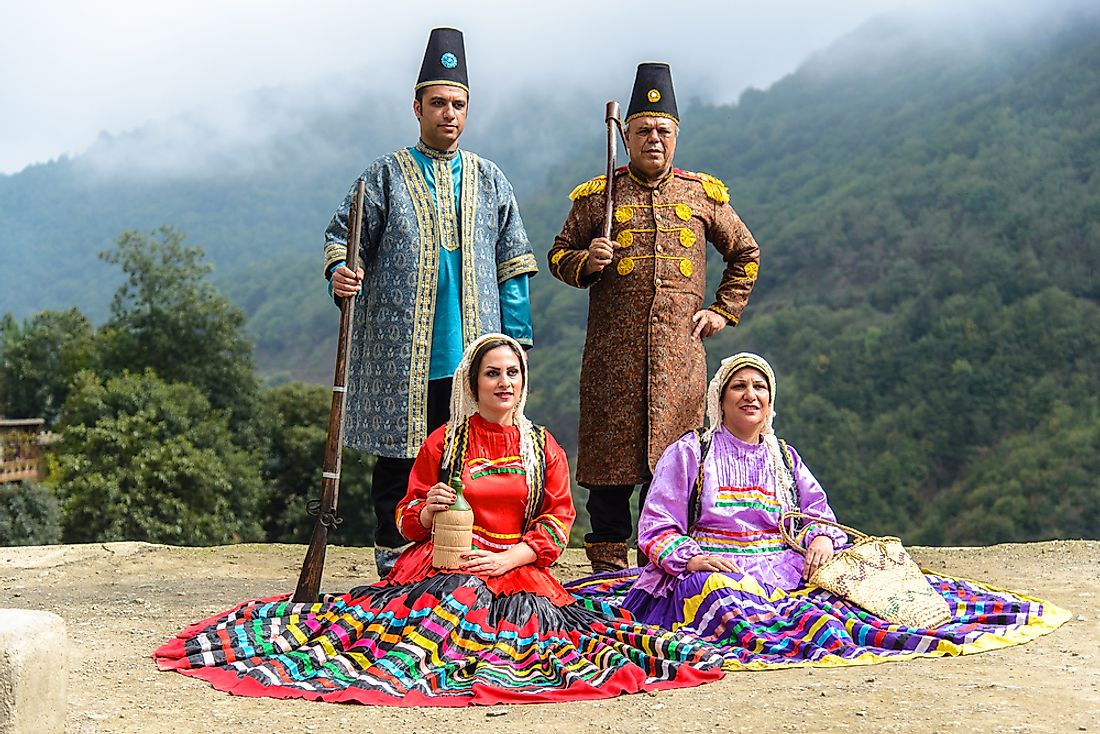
(445, 260)
(643, 376)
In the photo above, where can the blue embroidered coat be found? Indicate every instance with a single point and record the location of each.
(407, 230)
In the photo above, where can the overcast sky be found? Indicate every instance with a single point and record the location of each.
(70, 69)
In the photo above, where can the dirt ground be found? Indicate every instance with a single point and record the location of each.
(121, 600)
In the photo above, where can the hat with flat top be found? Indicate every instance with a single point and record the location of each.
(444, 60)
(653, 93)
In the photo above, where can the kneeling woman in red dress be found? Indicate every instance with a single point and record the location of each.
(498, 629)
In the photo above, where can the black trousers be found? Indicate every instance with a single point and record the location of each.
(609, 510)
(390, 480)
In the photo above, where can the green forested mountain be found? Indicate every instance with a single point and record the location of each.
(927, 209)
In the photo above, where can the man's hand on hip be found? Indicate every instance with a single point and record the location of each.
(708, 323)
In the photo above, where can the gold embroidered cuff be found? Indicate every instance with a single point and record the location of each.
(723, 312)
(334, 254)
(578, 272)
(517, 266)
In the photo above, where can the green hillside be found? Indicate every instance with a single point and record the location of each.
(927, 209)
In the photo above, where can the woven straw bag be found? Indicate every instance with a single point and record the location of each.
(877, 574)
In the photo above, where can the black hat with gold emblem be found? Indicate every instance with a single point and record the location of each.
(653, 93)
(444, 60)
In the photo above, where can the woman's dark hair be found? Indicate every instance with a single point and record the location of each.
(479, 355)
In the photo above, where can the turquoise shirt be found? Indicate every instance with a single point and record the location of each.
(447, 328)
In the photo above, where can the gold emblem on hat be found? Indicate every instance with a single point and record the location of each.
(654, 95)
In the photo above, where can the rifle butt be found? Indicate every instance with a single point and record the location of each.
(308, 590)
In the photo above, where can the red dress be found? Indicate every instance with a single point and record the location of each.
(496, 488)
(429, 637)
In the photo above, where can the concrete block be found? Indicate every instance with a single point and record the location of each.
(33, 672)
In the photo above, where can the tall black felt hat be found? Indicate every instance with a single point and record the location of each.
(653, 93)
(444, 60)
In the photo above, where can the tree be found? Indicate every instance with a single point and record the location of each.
(143, 459)
(39, 360)
(29, 515)
(167, 317)
(295, 422)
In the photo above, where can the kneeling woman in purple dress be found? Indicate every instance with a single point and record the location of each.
(721, 570)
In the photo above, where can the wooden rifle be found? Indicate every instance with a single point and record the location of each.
(309, 581)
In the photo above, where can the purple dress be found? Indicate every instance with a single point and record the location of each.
(740, 507)
(764, 617)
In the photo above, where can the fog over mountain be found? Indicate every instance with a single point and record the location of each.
(82, 75)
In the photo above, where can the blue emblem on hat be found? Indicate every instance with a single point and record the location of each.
(449, 60)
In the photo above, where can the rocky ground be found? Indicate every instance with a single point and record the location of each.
(121, 600)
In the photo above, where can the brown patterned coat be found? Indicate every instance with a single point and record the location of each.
(643, 377)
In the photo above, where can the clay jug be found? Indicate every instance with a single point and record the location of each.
(452, 530)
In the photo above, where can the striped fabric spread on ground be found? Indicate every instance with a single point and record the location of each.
(443, 641)
(757, 627)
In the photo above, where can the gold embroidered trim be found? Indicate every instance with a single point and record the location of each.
(646, 184)
(751, 270)
(439, 155)
(626, 265)
(593, 186)
(648, 113)
(626, 212)
(442, 82)
(427, 282)
(471, 311)
(334, 254)
(723, 312)
(580, 266)
(447, 224)
(714, 188)
(556, 257)
(625, 237)
(517, 266)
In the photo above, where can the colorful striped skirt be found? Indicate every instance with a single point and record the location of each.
(444, 641)
(757, 627)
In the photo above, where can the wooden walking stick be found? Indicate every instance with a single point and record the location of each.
(309, 581)
(611, 117)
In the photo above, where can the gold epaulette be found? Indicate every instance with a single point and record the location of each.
(713, 187)
(593, 186)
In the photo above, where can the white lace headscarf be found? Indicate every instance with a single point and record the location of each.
(464, 404)
(730, 365)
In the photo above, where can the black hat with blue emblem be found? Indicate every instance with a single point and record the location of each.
(444, 60)
(653, 93)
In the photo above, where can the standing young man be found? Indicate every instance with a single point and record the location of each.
(445, 259)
